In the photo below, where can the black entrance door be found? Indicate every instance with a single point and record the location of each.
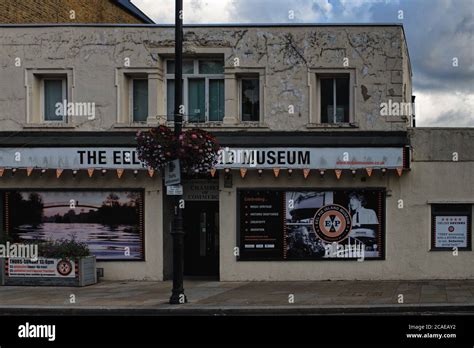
(201, 242)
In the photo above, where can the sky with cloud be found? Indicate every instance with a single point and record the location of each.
(437, 31)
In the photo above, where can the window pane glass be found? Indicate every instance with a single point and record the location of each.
(196, 100)
(53, 93)
(327, 100)
(170, 99)
(211, 67)
(188, 66)
(250, 100)
(342, 99)
(140, 100)
(216, 100)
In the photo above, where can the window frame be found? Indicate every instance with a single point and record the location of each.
(131, 101)
(64, 96)
(314, 85)
(239, 99)
(440, 209)
(196, 75)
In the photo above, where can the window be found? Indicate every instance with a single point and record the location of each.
(139, 99)
(451, 226)
(116, 215)
(54, 95)
(250, 99)
(334, 99)
(203, 90)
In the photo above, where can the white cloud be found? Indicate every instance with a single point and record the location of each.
(439, 109)
(195, 11)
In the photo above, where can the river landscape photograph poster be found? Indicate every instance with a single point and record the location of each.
(110, 222)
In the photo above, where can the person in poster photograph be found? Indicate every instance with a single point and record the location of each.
(302, 242)
(364, 223)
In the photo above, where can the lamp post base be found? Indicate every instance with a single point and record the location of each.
(177, 233)
(178, 298)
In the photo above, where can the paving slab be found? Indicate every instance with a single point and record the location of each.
(213, 297)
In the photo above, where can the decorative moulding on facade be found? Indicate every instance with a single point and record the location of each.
(49, 125)
(335, 125)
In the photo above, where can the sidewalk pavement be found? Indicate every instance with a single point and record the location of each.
(233, 298)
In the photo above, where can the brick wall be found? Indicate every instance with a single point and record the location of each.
(58, 11)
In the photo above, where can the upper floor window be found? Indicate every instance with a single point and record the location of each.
(139, 99)
(250, 98)
(334, 99)
(203, 89)
(53, 98)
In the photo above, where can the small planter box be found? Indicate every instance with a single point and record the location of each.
(48, 272)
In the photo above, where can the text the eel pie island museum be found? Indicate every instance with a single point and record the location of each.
(322, 173)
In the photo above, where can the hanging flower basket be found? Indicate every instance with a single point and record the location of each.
(197, 149)
(156, 147)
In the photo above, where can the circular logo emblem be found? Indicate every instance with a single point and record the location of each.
(451, 229)
(64, 267)
(332, 223)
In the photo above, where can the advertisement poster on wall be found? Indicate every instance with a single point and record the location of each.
(311, 224)
(18, 267)
(451, 231)
(110, 222)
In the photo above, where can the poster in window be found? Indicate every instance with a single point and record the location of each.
(261, 222)
(451, 231)
(110, 222)
(316, 225)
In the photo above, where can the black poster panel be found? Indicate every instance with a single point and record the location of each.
(261, 223)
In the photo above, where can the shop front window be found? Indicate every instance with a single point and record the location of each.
(110, 222)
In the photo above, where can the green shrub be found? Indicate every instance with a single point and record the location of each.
(63, 249)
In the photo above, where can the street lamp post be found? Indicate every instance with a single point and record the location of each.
(177, 232)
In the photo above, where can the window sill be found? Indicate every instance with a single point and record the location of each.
(49, 125)
(133, 125)
(333, 125)
(220, 125)
(396, 119)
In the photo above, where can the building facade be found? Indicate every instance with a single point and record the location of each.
(321, 174)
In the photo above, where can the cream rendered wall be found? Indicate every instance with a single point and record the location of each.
(152, 267)
(407, 230)
(283, 56)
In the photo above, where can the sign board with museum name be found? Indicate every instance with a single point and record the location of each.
(312, 158)
(257, 158)
(40, 268)
(70, 158)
